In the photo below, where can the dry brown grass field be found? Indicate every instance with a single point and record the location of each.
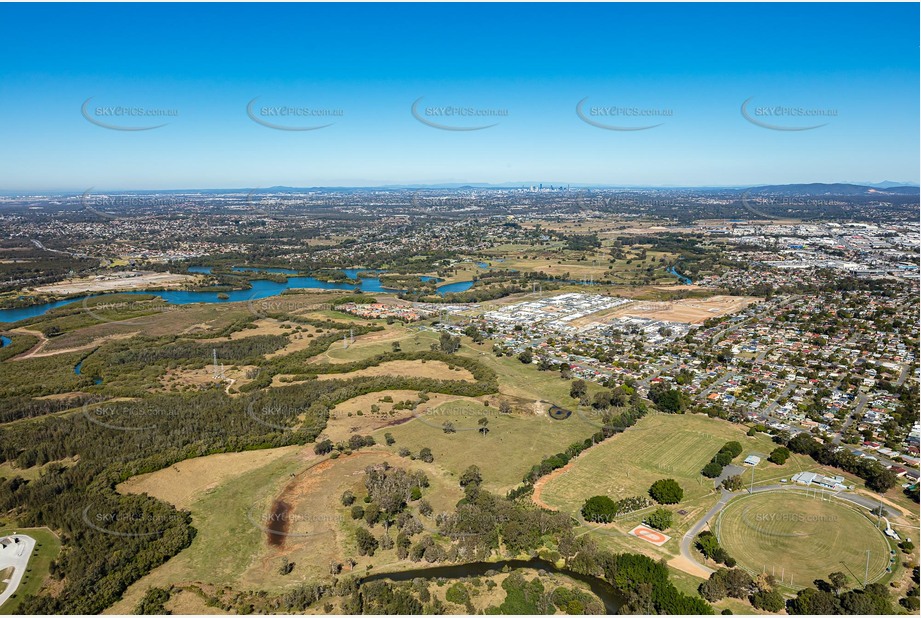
(185, 482)
(434, 369)
(345, 421)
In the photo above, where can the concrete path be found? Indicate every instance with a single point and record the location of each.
(687, 552)
(15, 555)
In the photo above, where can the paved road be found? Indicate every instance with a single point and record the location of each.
(645, 381)
(769, 410)
(902, 375)
(862, 400)
(760, 358)
(15, 555)
(703, 394)
(688, 538)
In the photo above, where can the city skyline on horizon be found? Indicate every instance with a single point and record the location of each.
(522, 185)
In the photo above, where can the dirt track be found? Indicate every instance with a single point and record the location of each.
(539, 486)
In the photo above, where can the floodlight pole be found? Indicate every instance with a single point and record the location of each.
(866, 572)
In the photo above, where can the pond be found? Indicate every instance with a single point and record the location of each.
(685, 280)
(460, 286)
(78, 367)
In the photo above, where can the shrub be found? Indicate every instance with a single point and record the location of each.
(367, 544)
(768, 600)
(733, 448)
(599, 509)
(666, 491)
(457, 593)
(779, 455)
(628, 505)
(660, 519)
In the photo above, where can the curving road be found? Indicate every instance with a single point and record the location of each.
(694, 530)
(687, 540)
(15, 555)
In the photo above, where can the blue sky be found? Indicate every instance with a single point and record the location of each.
(852, 67)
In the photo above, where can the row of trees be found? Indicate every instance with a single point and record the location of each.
(707, 543)
(723, 458)
(876, 476)
(612, 424)
(830, 597)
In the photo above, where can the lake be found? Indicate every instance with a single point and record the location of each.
(261, 288)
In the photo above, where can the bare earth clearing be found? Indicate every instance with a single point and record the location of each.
(687, 310)
(140, 282)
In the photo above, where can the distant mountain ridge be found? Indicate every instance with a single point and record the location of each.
(818, 188)
(886, 184)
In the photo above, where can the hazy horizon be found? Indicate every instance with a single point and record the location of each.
(436, 186)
